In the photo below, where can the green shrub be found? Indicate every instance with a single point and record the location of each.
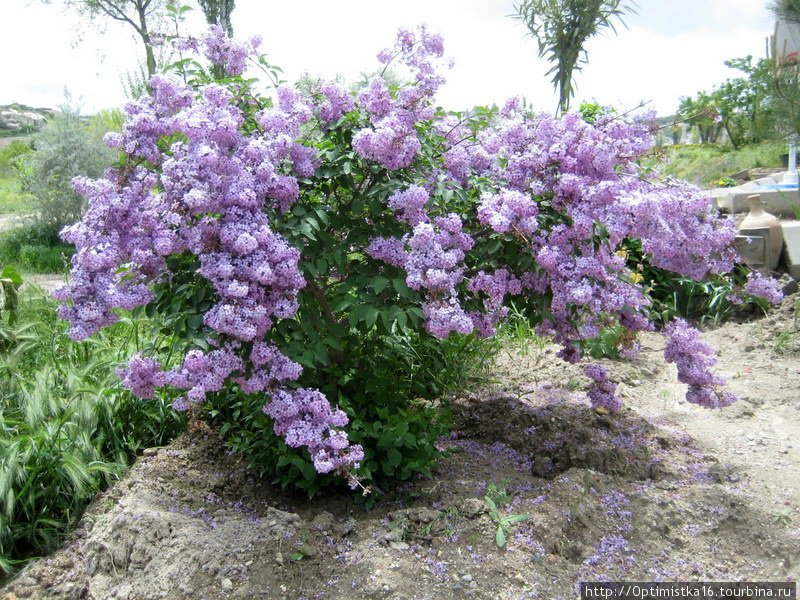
(10, 154)
(394, 412)
(65, 148)
(35, 247)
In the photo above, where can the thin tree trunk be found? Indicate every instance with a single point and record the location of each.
(145, 34)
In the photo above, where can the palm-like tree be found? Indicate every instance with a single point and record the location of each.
(562, 27)
(788, 10)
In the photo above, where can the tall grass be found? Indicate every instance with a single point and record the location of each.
(67, 429)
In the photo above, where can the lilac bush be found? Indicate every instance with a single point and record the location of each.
(269, 238)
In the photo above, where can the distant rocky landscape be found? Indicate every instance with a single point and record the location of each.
(19, 119)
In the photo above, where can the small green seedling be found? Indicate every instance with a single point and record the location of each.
(302, 551)
(497, 492)
(781, 517)
(574, 506)
(503, 523)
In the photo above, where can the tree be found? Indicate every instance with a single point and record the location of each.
(744, 107)
(561, 28)
(65, 148)
(139, 14)
(788, 10)
(218, 12)
(702, 114)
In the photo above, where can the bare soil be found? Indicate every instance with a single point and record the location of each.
(659, 491)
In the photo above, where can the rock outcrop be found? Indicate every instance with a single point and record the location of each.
(23, 119)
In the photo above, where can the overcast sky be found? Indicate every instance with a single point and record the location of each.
(671, 48)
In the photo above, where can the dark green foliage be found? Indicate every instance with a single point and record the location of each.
(387, 385)
(706, 302)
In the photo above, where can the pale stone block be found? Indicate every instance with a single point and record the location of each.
(791, 247)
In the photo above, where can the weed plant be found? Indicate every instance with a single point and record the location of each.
(518, 332)
(788, 340)
(67, 429)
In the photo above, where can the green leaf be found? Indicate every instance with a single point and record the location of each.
(353, 318)
(401, 429)
(340, 303)
(11, 274)
(371, 316)
(322, 216)
(321, 353)
(379, 284)
(402, 320)
(394, 457)
(515, 518)
(399, 284)
(500, 537)
(332, 342)
(386, 439)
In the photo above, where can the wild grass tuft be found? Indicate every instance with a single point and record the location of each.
(67, 429)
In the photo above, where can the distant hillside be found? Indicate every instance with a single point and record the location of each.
(18, 119)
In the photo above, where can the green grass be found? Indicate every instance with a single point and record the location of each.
(26, 244)
(712, 162)
(67, 429)
(12, 199)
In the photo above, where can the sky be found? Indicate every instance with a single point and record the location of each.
(669, 49)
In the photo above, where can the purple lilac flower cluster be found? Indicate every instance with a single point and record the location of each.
(205, 195)
(586, 174)
(603, 392)
(221, 50)
(763, 287)
(693, 358)
(391, 139)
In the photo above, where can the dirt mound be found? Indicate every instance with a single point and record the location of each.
(562, 435)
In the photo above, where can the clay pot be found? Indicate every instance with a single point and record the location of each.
(757, 218)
